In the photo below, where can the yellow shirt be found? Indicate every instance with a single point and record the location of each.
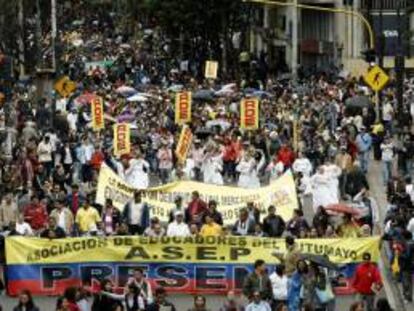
(86, 218)
(210, 229)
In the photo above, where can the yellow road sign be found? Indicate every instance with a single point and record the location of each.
(65, 87)
(376, 78)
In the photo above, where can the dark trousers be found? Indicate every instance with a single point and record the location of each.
(135, 229)
(407, 284)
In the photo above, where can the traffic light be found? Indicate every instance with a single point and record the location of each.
(369, 55)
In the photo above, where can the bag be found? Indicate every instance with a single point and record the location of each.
(326, 295)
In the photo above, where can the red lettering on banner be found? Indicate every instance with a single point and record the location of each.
(98, 112)
(121, 137)
(183, 106)
(250, 113)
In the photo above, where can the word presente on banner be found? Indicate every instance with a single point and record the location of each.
(280, 193)
(209, 265)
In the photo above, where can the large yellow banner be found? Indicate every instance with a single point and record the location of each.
(183, 108)
(98, 122)
(249, 113)
(229, 249)
(281, 193)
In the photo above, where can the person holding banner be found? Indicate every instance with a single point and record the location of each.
(249, 168)
(134, 171)
(212, 166)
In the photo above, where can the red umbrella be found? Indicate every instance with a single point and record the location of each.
(84, 99)
(342, 208)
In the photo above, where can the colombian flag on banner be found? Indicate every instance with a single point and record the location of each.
(184, 144)
(183, 108)
(249, 114)
(98, 122)
(122, 139)
(194, 264)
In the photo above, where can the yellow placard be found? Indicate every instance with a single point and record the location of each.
(376, 78)
(229, 249)
(183, 107)
(122, 139)
(211, 69)
(184, 144)
(97, 109)
(249, 114)
(280, 193)
(65, 87)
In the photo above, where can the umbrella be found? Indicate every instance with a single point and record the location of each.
(206, 95)
(262, 94)
(139, 97)
(224, 125)
(126, 90)
(359, 101)
(175, 88)
(322, 261)
(84, 99)
(342, 209)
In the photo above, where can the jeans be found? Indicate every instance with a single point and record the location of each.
(363, 158)
(229, 170)
(342, 183)
(407, 284)
(369, 301)
(164, 175)
(386, 171)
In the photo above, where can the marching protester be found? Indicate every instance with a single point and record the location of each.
(26, 302)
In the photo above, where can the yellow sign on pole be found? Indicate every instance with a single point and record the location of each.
(376, 78)
(211, 69)
(65, 87)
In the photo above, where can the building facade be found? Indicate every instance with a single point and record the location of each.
(332, 39)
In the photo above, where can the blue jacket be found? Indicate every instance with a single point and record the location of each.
(363, 142)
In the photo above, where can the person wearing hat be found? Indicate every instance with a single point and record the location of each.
(178, 227)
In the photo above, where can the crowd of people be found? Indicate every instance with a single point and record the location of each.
(51, 158)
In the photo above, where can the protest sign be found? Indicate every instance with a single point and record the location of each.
(184, 144)
(122, 139)
(210, 265)
(281, 193)
(183, 107)
(249, 114)
(97, 109)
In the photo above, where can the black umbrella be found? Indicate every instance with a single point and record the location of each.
(204, 95)
(359, 101)
(322, 261)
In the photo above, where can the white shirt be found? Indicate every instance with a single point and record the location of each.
(61, 220)
(387, 112)
(410, 191)
(279, 286)
(72, 119)
(387, 152)
(410, 226)
(136, 213)
(178, 229)
(262, 306)
(44, 151)
(24, 229)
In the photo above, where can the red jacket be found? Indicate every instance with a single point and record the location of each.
(36, 216)
(286, 156)
(366, 275)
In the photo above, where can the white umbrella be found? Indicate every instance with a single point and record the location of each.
(139, 97)
(126, 90)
